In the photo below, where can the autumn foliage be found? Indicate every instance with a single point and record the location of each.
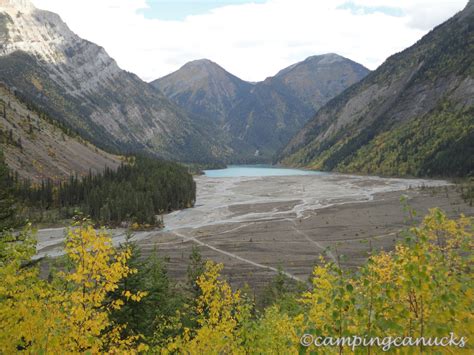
(72, 310)
(422, 288)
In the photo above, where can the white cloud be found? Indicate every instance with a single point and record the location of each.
(252, 41)
(421, 14)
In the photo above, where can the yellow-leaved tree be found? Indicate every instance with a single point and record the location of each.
(423, 288)
(71, 312)
(220, 313)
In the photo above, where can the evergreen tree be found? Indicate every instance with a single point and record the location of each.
(7, 202)
(160, 302)
(134, 193)
(196, 268)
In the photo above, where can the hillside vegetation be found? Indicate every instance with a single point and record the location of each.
(412, 116)
(37, 147)
(421, 290)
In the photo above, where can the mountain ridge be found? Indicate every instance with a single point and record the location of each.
(257, 119)
(76, 82)
(313, 80)
(196, 82)
(431, 79)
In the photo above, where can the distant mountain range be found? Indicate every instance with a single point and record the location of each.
(414, 115)
(207, 114)
(257, 119)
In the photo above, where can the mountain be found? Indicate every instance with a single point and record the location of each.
(319, 78)
(257, 119)
(278, 107)
(414, 115)
(76, 82)
(37, 148)
(263, 121)
(204, 88)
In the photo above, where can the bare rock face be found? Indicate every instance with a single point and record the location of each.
(76, 82)
(258, 119)
(414, 115)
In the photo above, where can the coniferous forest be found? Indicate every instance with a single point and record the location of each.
(137, 192)
(7, 201)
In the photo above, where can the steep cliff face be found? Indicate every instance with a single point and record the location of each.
(76, 82)
(258, 119)
(412, 116)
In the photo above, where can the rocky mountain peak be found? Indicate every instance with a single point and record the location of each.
(201, 63)
(319, 78)
(320, 59)
(259, 116)
(78, 83)
(42, 34)
(203, 87)
(203, 69)
(326, 56)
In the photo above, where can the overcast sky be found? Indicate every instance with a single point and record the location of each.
(251, 39)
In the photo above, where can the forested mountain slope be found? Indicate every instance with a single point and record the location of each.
(414, 115)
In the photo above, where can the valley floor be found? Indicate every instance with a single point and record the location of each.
(254, 225)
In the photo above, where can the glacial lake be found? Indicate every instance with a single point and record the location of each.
(257, 170)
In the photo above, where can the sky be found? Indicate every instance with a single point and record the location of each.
(250, 39)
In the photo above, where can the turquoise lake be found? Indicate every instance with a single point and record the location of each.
(257, 170)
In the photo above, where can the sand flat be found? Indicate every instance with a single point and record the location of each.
(254, 225)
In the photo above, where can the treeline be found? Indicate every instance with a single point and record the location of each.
(437, 144)
(33, 108)
(135, 193)
(6, 136)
